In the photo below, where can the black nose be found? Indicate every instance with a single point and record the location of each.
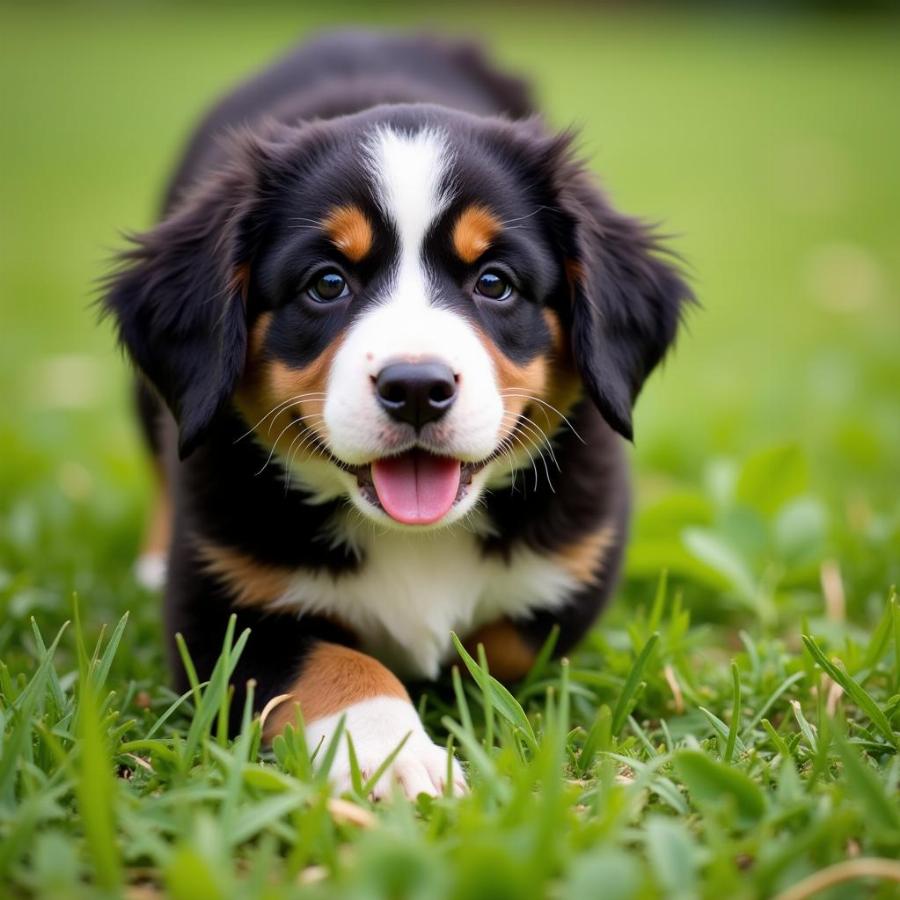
(416, 393)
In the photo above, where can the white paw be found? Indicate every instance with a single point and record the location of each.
(377, 726)
(150, 570)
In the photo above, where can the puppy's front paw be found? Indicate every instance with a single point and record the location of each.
(377, 727)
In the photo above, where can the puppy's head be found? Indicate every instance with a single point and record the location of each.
(402, 304)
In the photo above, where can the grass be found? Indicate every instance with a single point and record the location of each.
(730, 728)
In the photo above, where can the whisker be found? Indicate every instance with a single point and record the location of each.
(529, 433)
(543, 460)
(507, 455)
(520, 419)
(311, 440)
(503, 451)
(533, 427)
(297, 418)
(293, 421)
(530, 215)
(265, 465)
(275, 443)
(278, 407)
(521, 444)
(308, 434)
(509, 392)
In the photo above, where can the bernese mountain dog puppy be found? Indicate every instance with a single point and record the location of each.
(389, 335)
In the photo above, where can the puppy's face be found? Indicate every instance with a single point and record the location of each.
(417, 298)
(404, 339)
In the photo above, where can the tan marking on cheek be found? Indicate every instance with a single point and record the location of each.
(332, 678)
(474, 231)
(349, 230)
(284, 405)
(544, 390)
(509, 656)
(258, 334)
(564, 387)
(255, 360)
(308, 383)
(250, 583)
(583, 559)
(531, 377)
(249, 397)
(557, 338)
(516, 383)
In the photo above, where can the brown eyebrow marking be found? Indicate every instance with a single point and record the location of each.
(474, 232)
(350, 231)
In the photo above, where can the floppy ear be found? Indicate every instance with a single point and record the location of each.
(178, 298)
(626, 298)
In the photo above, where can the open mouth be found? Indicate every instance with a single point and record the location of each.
(416, 487)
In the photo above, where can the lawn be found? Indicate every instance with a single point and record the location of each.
(730, 728)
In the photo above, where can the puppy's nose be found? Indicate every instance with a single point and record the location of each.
(416, 393)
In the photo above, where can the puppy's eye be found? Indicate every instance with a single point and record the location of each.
(493, 285)
(328, 286)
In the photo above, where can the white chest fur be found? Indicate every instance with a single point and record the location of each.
(413, 590)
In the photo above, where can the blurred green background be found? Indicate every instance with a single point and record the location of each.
(766, 145)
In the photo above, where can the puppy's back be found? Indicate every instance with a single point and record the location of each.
(347, 71)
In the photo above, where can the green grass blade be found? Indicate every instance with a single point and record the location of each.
(461, 703)
(860, 696)
(172, 709)
(623, 704)
(772, 699)
(735, 714)
(502, 700)
(55, 687)
(721, 730)
(102, 667)
(541, 661)
(777, 740)
(326, 761)
(189, 669)
(598, 739)
(881, 807)
(805, 727)
(96, 792)
(709, 782)
(388, 760)
(487, 701)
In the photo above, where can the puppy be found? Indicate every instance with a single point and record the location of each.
(389, 336)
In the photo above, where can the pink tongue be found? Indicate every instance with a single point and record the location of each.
(416, 488)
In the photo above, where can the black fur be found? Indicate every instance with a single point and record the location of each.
(180, 312)
(627, 298)
(233, 246)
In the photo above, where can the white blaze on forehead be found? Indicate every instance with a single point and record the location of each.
(409, 172)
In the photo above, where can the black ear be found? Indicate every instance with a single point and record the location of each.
(627, 299)
(178, 298)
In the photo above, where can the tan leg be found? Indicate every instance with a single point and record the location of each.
(337, 682)
(150, 568)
